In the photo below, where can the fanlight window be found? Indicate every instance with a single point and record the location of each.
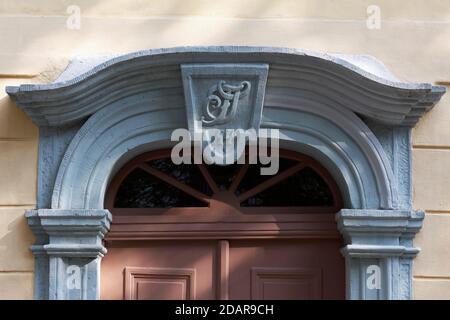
(153, 181)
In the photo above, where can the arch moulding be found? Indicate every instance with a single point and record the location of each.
(348, 112)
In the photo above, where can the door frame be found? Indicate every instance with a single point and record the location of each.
(223, 219)
(357, 124)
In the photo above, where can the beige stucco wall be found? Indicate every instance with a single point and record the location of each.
(414, 42)
(18, 161)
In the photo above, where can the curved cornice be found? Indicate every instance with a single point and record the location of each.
(378, 96)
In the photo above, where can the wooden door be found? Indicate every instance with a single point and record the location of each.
(215, 232)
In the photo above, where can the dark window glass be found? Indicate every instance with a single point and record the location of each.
(223, 175)
(253, 176)
(305, 188)
(186, 173)
(142, 190)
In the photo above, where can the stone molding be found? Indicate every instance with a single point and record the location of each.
(381, 238)
(378, 96)
(68, 240)
(124, 129)
(356, 123)
(244, 114)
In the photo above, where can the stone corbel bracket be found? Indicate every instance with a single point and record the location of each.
(68, 248)
(379, 240)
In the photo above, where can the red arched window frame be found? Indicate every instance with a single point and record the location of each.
(223, 216)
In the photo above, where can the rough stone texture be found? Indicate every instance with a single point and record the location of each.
(67, 239)
(391, 250)
(53, 142)
(396, 143)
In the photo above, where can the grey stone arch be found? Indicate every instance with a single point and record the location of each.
(356, 123)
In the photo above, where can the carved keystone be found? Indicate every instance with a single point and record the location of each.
(224, 96)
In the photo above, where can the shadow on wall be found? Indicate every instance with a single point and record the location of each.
(57, 42)
(14, 123)
(176, 23)
(15, 240)
(18, 168)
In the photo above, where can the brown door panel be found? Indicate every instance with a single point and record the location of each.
(286, 269)
(159, 270)
(236, 269)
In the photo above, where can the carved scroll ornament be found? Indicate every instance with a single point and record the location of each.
(222, 102)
